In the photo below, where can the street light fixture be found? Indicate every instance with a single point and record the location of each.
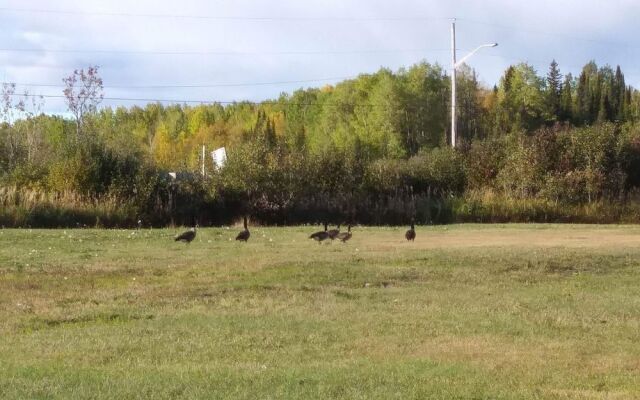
(455, 64)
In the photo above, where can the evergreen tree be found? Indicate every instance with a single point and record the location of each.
(508, 77)
(553, 89)
(618, 95)
(566, 99)
(605, 111)
(628, 103)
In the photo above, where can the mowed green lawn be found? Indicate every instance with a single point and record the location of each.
(467, 311)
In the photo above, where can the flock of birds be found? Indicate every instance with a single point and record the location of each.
(331, 234)
(319, 236)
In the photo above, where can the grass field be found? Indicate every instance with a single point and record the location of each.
(467, 312)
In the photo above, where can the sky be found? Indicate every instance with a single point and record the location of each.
(233, 50)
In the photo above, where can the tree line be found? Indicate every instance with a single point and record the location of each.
(371, 149)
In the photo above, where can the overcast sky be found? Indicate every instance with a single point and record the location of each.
(195, 42)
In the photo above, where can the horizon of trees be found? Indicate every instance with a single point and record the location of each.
(377, 139)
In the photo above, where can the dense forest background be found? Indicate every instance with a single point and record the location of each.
(369, 150)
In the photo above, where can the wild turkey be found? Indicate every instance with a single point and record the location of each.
(411, 233)
(344, 236)
(333, 233)
(320, 235)
(245, 234)
(187, 236)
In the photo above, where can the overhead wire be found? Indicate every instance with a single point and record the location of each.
(189, 86)
(527, 60)
(222, 17)
(544, 33)
(220, 53)
(248, 53)
(222, 102)
(301, 18)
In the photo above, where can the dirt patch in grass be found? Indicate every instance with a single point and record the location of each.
(40, 323)
(516, 235)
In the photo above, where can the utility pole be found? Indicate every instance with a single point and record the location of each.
(454, 65)
(453, 83)
(203, 160)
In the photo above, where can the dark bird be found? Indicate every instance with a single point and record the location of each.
(333, 233)
(245, 234)
(411, 233)
(344, 236)
(320, 235)
(187, 236)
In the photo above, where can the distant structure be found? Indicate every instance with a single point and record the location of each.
(219, 157)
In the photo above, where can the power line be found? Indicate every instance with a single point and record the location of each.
(193, 85)
(224, 102)
(627, 72)
(269, 83)
(300, 18)
(220, 17)
(544, 33)
(220, 53)
(404, 107)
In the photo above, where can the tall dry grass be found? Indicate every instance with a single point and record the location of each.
(488, 206)
(22, 207)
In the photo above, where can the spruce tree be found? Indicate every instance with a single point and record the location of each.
(605, 110)
(566, 99)
(582, 100)
(618, 95)
(554, 83)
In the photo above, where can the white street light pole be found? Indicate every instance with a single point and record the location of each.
(453, 83)
(454, 65)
